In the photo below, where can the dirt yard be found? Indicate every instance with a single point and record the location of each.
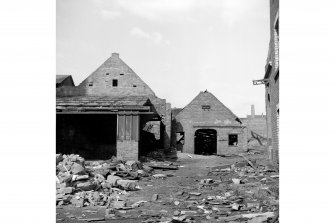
(186, 196)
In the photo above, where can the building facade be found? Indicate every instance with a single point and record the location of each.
(206, 126)
(113, 112)
(271, 82)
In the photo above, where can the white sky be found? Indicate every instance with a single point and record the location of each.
(178, 47)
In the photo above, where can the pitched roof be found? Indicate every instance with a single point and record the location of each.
(209, 97)
(115, 68)
(61, 78)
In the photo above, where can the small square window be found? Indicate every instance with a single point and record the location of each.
(232, 139)
(107, 73)
(134, 85)
(115, 83)
(90, 84)
(121, 74)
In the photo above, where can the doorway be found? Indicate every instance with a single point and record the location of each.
(205, 142)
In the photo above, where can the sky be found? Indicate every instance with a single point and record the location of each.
(178, 47)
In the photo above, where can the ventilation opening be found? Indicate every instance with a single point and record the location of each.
(269, 97)
(232, 139)
(206, 107)
(134, 85)
(115, 83)
(121, 74)
(107, 73)
(205, 142)
(90, 84)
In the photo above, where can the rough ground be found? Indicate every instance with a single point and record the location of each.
(185, 180)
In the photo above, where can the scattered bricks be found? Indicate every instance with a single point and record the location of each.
(154, 197)
(134, 165)
(78, 169)
(119, 204)
(113, 180)
(159, 175)
(127, 184)
(67, 190)
(253, 205)
(64, 178)
(121, 167)
(176, 203)
(207, 181)
(180, 193)
(235, 207)
(176, 213)
(59, 158)
(188, 212)
(194, 193)
(86, 186)
(77, 202)
(236, 181)
(80, 177)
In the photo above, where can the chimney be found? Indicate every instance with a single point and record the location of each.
(252, 111)
(115, 55)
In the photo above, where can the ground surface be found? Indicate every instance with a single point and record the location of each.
(186, 179)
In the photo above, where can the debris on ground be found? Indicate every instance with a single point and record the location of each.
(242, 191)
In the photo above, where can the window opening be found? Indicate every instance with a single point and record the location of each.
(115, 83)
(232, 139)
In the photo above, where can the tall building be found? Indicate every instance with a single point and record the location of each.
(271, 81)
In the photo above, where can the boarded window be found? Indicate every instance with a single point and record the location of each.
(232, 139)
(115, 82)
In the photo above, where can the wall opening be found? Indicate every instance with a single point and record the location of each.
(92, 136)
(205, 142)
(115, 83)
(232, 139)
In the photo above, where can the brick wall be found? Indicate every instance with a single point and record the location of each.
(127, 149)
(100, 82)
(218, 117)
(272, 89)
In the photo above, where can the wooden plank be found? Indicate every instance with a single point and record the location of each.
(121, 127)
(128, 127)
(135, 128)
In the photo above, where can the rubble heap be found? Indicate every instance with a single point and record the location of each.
(83, 183)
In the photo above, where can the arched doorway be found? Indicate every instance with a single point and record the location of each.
(205, 142)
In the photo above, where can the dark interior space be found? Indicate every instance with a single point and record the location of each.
(233, 140)
(205, 142)
(92, 136)
(148, 142)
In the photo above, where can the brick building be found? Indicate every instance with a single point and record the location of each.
(112, 112)
(206, 126)
(271, 81)
(64, 80)
(256, 125)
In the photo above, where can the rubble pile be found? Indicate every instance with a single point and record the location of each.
(99, 183)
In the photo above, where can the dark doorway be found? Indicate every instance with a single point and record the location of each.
(205, 142)
(92, 136)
